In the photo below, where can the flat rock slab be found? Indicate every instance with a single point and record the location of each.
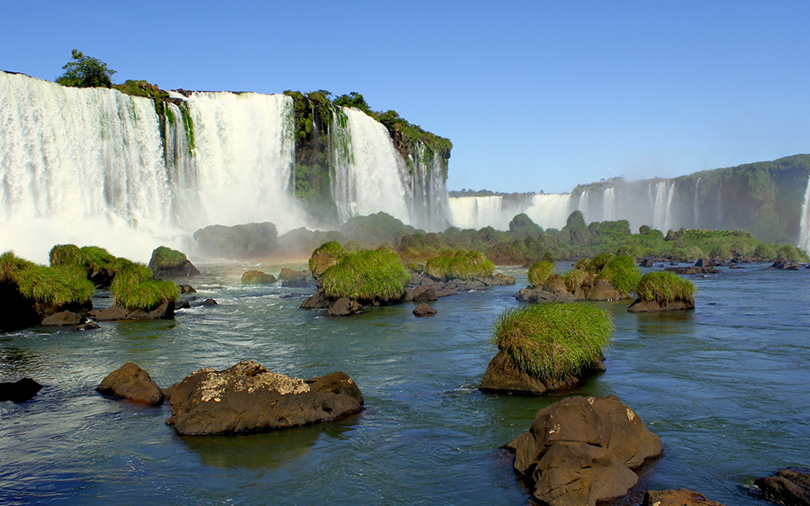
(345, 307)
(582, 450)
(132, 383)
(681, 497)
(62, 319)
(249, 398)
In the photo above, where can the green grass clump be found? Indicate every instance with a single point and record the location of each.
(539, 272)
(167, 258)
(664, 288)
(574, 278)
(366, 275)
(332, 248)
(597, 263)
(460, 264)
(551, 341)
(622, 273)
(52, 285)
(133, 287)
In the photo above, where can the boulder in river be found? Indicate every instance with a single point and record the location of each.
(789, 487)
(132, 383)
(424, 310)
(681, 497)
(582, 450)
(505, 376)
(257, 278)
(248, 398)
(19, 391)
(345, 307)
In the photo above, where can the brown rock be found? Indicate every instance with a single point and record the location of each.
(117, 313)
(19, 391)
(681, 497)
(424, 310)
(247, 397)
(788, 487)
(61, 319)
(504, 375)
(132, 383)
(320, 262)
(344, 307)
(317, 301)
(257, 278)
(599, 289)
(581, 450)
(641, 306)
(424, 294)
(186, 289)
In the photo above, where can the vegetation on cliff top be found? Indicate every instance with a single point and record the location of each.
(664, 288)
(551, 341)
(85, 72)
(52, 285)
(366, 276)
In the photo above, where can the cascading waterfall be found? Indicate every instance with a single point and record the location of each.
(609, 205)
(479, 212)
(369, 175)
(430, 206)
(584, 206)
(550, 210)
(804, 227)
(697, 186)
(659, 206)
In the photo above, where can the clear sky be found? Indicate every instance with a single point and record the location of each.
(534, 95)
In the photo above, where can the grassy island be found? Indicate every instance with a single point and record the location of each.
(166, 258)
(366, 276)
(49, 285)
(539, 272)
(552, 341)
(665, 288)
(133, 287)
(460, 264)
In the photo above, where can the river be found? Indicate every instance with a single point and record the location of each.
(724, 386)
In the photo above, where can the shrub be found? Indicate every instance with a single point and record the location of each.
(622, 273)
(539, 272)
(461, 264)
(133, 287)
(167, 258)
(551, 341)
(694, 253)
(719, 252)
(52, 285)
(366, 275)
(664, 288)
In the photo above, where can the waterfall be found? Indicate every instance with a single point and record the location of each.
(370, 176)
(584, 206)
(609, 205)
(430, 206)
(479, 212)
(550, 210)
(804, 229)
(668, 211)
(659, 206)
(697, 185)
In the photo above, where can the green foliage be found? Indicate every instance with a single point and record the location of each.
(574, 278)
(791, 253)
(765, 250)
(622, 273)
(353, 99)
(551, 341)
(141, 89)
(665, 288)
(133, 287)
(539, 272)
(332, 248)
(167, 258)
(375, 229)
(366, 276)
(85, 72)
(51, 285)
(597, 263)
(90, 259)
(460, 264)
(523, 225)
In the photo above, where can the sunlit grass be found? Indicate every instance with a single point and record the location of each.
(460, 264)
(52, 285)
(366, 275)
(664, 288)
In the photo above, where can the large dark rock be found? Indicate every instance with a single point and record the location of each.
(505, 375)
(599, 289)
(294, 279)
(642, 306)
(19, 312)
(647, 262)
(62, 319)
(345, 307)
(788, 487)
(539, 295)
(692, 270)
(257, 278)
(703, 262)
(132, 383)
(424, 310)
(681, 497)
(247, 397)
(19, 391)
(581, 450)
(317, 301)
(784, 266)
(424, 294)
(115, 312)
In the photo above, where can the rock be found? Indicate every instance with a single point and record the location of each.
(555, 284)
(703, 262)
(600, 289)
(682, 497)
(295, 283)
(640, 306)
(498, 279)
(247, 398)
(537, 295)
(426, 281)
(317, 301)
(424, 310)
(344, 307)
(424, 294)
(446, 292)
(91, 325)
(182, 304)
(692, 270)
(117, 313)
(257, 278)
(62, 319)
(19, 391)
(295, 276)
(784, 266)
(206, 303)
(503, 375)
(186, 289)
(132, 383)
(581, 450)
(788, 487)
(647, 262)
(407, 295)
(320, 262)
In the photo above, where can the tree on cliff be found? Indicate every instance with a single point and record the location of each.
(85, 72)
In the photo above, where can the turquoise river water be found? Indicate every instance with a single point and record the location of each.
(724, 386)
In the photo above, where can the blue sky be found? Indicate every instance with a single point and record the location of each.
(534, 95)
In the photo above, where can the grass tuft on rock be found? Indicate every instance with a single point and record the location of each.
(459, 264)
(622, 273)
(539, 272)
(52, 285)
(366, 275)
(551, 341)
(599, 262)
(89, 258)
(332, 248)
(574, 278)
(167, 258)
(664, 288)
(133, 287)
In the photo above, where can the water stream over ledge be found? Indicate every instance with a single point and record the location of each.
(725, 387)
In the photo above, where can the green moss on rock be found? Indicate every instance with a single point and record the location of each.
(366, 276)
(459, 264)
(133, 288)
(664, 288)
(49, 285)
(539, 272)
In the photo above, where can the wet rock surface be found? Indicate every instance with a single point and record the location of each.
(680, 497)
(503, 375)
(132, 383)
(20, 390)
(789, 487)
(424, 310)
(643, 306)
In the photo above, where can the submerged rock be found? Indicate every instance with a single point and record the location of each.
(505, 376)
(19, 391)
(681, 497)
(247, 397)
(582, 450)
(132, 383)
(117, 313)
(789, 487)
(317, 301)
